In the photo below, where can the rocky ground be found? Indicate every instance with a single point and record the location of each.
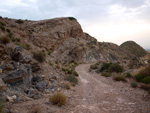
(93, 94)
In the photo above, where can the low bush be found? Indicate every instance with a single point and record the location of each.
(72, 79)
(119, 78)
(68, 71)
(19, 21)
(105, 66)
(58, 99)
(72, 18)
(49, 53)
(16, 40)
(134, 84)
(145, 87)
(39, 56)
(128, 75)
(105, 74)
(67, 85)
(94, 66)
(2, 28)
(143, 75)
(1, 107)
(115, 68)
(146, 80)
(5, 40)
(75, 73)
(8, 30)
(148, 91)
(2, 23)
(50, 63)
(10, 35)
(26, 46)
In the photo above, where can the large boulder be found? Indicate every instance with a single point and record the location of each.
(42, 85)
(18, 55)
(22, 75)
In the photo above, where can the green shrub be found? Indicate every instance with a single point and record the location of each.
(8, 30)
(72, 79)
(72, 18)
(111, 67)
(5, 40)
(1, 107)
(146, 80)
(58, 99)
(67, 70)
(94, 66)
(13, 25)
(26, 46)
(10, 35)
(19, 21)
(148, 91)
(119, 78)
(2, 28)
(75, 73)
(50, 63)
(134, 84)
(105, 74)
(128, 75)
(49, 53)
(139, 77)
(115, 68)
(16, 40)
(2, 24)
(39, 56)
(105, 66)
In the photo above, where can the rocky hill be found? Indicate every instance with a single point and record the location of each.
(133, 48)
(34, 54)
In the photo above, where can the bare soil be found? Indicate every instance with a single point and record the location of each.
(93, 94)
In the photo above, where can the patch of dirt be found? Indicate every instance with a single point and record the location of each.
(94, 94)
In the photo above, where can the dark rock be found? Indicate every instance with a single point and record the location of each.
(35, 67)
(22, 75)
(42, 85)
(36, 79)
(33, 93)
(9, 67)
(18, 55)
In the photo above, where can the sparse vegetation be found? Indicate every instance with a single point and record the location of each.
(2, 28)
(49, 53)
(145, 87)
(67, 85)
(58, 99)
(5, 40)
(39, 56)
(13, 25)
(1, 107)
(143, 76)
(106, 74)
(72, 18)
(19, 21)
(72, 79)
(50, 63)
(8, 30)
(2, 23)
(119, 78)
(94, 66)
(16, 40)
(75, 73)
(68, 71)
(128, 75)
(134, 84)
(35, 109)
(111, 67)
(10, 35)
(146, 80)
(148, 91)
(26, 46)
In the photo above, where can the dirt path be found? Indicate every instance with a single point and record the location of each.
(96, 94)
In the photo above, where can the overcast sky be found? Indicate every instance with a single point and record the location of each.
(107, 20)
